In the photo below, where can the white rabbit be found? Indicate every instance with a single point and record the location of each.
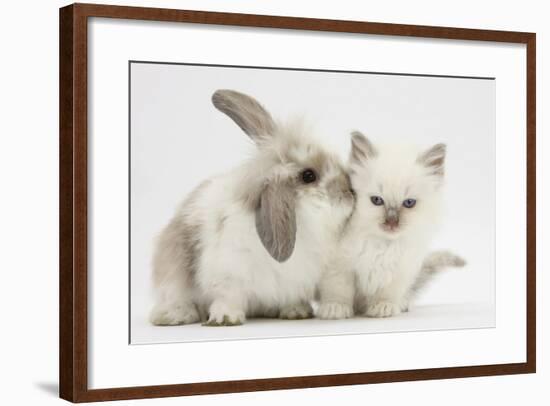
(253, 241)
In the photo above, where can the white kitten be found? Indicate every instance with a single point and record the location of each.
(383, 257)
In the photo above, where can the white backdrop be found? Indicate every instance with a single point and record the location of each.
(29, 134)
(178, 139)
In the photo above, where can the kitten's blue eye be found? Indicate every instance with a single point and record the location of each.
(377, 200)
(409, 203)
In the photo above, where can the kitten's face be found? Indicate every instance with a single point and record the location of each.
(397, 188)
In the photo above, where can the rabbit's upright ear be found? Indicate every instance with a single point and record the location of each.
(246, 112)
(276, 219)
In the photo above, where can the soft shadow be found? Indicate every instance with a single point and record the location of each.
(51, 388)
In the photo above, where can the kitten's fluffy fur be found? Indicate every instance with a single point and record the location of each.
(383, 257)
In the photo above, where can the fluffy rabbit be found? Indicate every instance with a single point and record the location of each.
(253, 241)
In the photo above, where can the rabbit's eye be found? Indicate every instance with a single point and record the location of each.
(409, 203)
(377, 200)
(308, 176)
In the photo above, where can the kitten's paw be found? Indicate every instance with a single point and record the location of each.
(296, 312)
(334, 311)
(173, 315)
(383, 309)
(222, 315)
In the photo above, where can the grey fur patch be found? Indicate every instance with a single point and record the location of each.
(433, 264)
(179, 250)
(180, 240)
(318, 161)
(245, 111)
(361, 148)
(434, 159)
(340, 190)
(339, 187)
(192, 247)
(190, 231)
(276, 219)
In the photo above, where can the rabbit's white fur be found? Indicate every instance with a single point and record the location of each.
(210, 263)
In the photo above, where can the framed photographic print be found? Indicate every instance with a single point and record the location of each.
(256, 202)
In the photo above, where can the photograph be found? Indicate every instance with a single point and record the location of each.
(275, 202)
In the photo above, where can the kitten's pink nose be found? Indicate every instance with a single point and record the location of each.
(392, 219)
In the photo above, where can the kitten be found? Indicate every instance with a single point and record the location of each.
(383, 259)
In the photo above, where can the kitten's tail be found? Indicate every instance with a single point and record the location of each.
(433, 263)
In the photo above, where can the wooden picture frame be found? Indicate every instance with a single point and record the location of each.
(74, 201)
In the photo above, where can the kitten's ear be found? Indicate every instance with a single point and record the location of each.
(434, 159)
(361, 148)
(246, 112)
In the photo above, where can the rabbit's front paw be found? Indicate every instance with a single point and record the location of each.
(174, 314)
(383, 309)
(221, 314)
(334, 311)
(296, 311)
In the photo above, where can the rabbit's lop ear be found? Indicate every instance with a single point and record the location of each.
(245, 111)
(276, 219)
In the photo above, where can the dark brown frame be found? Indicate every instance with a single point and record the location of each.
(73, 361)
